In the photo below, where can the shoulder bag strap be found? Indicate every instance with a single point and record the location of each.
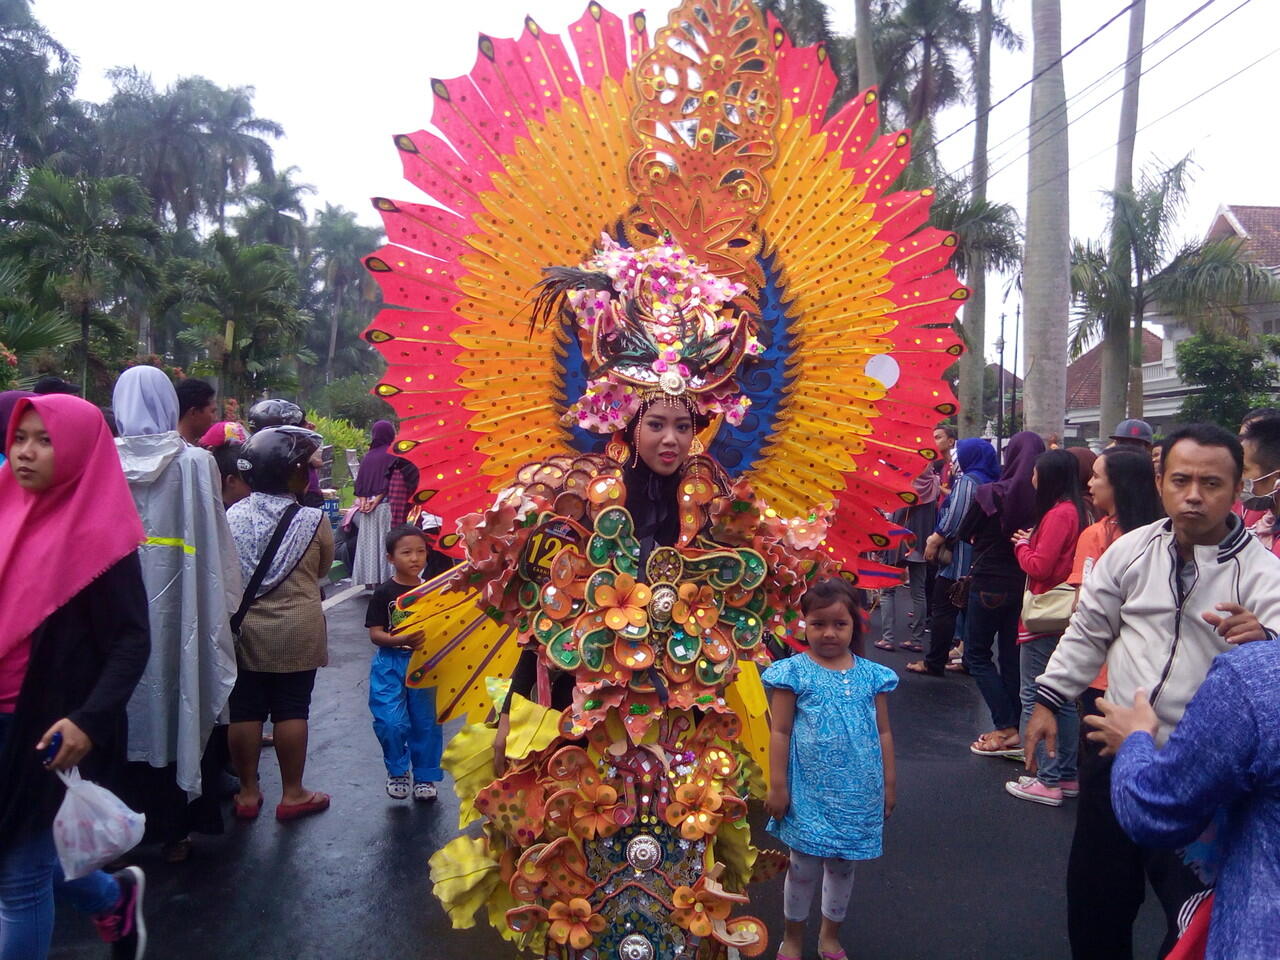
(260, 572)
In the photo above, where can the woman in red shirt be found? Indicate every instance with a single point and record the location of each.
(1046, 556)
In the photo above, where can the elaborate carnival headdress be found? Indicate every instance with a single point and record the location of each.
(678, 220)
(713, 145)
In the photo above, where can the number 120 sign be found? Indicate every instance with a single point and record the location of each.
(542, 547)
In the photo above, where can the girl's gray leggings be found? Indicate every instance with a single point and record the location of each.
(802, 880)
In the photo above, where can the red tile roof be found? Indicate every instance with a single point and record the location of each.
(1261, 226)
(1084, 377)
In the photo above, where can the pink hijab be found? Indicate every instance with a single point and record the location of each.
(53, 544)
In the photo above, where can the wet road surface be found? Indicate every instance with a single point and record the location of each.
(968, 872)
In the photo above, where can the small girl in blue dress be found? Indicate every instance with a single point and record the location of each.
(831, 761)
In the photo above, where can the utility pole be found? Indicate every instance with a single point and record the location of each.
(1000, 389)
(1013, 404)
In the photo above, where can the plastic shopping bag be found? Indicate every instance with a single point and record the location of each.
(93, 827)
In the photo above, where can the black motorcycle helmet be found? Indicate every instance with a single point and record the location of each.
(274, 413)
(275, 459)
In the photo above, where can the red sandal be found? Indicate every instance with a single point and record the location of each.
(248, 811)
(318, 803)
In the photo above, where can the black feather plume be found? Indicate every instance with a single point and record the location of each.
(552, 299)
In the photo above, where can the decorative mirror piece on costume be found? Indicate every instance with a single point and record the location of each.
(680, 228)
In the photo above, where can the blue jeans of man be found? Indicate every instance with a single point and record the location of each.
(404, 719)
(993, 623)
(1034, 657)
(29, 875)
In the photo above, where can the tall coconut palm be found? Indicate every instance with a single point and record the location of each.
(274, 211)
(1141, 265)
(928, 48)
(158, 138)
(339, 242)
(1115, 336)
(973, 363)
(864, 44)
(1046, 271)
(241, 303)
(37, 76)
(78, 240)
(237, 143)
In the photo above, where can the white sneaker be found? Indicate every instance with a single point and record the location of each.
(425, 791)
(398, 787)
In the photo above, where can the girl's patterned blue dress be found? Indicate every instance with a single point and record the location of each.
(834, 771)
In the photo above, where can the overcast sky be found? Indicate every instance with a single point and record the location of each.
(343, 78)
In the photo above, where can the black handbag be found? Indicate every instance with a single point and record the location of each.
(260, 571)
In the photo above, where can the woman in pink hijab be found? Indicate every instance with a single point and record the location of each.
(74, 640)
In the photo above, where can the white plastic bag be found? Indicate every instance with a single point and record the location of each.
(93, 827)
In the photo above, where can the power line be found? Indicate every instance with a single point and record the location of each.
(1037, 76)
(1102, 79)
(1163, 116)
(1005, 166)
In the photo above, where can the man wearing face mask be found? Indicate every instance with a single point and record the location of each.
(1258, 499)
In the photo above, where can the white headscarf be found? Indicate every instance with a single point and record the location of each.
(144, 402)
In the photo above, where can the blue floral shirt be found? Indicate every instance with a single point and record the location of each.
(1223, 755)
(835, 772)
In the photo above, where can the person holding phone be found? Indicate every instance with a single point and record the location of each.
(74, 639)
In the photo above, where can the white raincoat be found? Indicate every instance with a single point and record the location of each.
(192, 574)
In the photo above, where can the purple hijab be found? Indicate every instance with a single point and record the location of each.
(375, 468)
(8, 400)
(1012, 496)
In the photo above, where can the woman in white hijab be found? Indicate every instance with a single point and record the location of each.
(192, 574)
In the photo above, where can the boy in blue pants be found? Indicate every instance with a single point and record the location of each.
(404, 718)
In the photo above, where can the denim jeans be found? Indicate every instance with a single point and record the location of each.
(916, 620)
(992, 622)
(29, 873)
(1034, 657)
(404, 719)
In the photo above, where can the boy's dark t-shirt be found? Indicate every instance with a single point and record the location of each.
(379, 612)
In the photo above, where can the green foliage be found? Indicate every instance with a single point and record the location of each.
(342, 435)
(350, 399)
(1204, 282)
(1236, 375)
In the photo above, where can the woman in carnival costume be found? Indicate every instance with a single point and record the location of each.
(662, 350)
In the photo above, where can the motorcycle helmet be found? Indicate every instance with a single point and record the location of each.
(275, 459)
(274, 413)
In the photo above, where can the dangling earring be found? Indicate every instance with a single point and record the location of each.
(696, 449)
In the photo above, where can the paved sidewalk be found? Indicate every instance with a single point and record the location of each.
(969, 873)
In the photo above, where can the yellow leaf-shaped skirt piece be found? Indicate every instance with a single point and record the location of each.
(463, 878)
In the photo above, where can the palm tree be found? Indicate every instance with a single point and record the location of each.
(242, 313)
(37, 77)
(925, 49)
(1046, 283)
(340, 242)
(274, 211)
(1115, 336)
(237, 143)
(78, 240)
(864, 44)
(973, 362)
(26, 328)
(158, 138)
(1204, 282)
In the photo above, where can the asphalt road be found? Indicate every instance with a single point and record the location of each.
(968, 871)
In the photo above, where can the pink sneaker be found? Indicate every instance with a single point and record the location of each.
(1070, 788)
(1029, 788)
